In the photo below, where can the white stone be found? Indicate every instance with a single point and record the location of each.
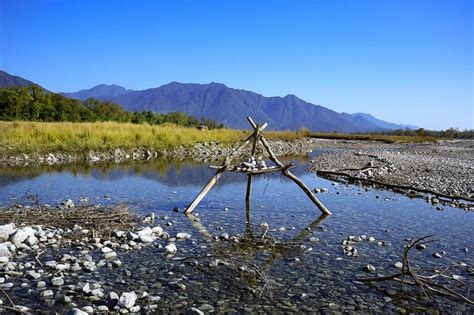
(47, 293)
(110, 255)
(158, 230)
(147, 238)
(102, 308)
(145, 231)
(97, 292)
(5, 231)
(171, 249)
(61, 267)
(183, 235)
(106, 249)
(57, 282)
(31, 240)
(4, 251)
(21, 235)
(127, 299)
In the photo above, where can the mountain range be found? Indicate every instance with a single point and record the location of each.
(228, 106)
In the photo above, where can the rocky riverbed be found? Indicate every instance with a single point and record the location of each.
(173, 263)
(216, 262)
(445, 169)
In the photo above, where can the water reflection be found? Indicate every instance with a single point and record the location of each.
(169, 172)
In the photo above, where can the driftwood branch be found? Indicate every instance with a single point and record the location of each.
(341, 173)
(410, 277)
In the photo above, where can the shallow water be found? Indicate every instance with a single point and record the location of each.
(321, 278)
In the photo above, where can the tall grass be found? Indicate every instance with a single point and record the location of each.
(77, 137)
(27, 137)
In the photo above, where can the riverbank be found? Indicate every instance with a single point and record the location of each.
(444, 169)
(34, 143)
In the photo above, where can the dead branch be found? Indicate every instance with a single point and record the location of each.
(426, 284)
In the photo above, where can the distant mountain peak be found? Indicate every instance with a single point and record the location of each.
(384, 124)
(99, 91)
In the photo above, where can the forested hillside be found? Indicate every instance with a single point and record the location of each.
(33, 103)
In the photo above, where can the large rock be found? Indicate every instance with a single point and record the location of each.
(5, 231)
(127, 299)
(21, 235)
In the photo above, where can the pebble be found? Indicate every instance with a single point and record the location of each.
(398, 265)
(437, 255)
(369, 268)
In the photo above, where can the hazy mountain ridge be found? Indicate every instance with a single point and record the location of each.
(226, 105)
(98, 91)
(384, 124)
(230, 107)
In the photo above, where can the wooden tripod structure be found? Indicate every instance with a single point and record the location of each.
(255, 138)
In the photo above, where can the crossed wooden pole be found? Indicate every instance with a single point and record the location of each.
(255, 138)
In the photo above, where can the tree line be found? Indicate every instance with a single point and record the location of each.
(450, 133)
(33, 103)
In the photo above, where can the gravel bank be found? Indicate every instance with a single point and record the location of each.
(199, 152)
(445, 168)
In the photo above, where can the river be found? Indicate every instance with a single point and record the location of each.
(307, 272)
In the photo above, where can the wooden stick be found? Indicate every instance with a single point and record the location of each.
(307, 191)
(205, 190)
(247, 197)
(223, 168)
(288, 174)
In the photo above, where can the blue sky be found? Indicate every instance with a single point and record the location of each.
(402, 61)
